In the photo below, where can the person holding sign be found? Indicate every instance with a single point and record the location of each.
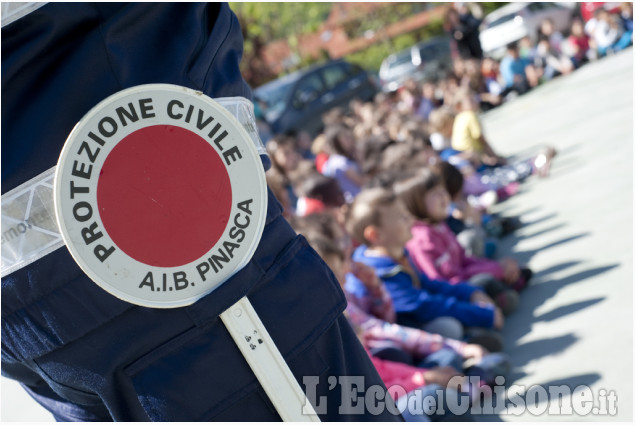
(167, 222)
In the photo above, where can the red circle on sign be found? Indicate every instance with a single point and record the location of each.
(164, 196)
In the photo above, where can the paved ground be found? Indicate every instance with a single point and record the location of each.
(575, 323)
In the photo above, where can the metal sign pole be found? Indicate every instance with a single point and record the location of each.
(267, 363)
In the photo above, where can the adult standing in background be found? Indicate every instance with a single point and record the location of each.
(463, 27)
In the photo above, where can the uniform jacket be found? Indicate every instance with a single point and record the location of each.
(81, 352)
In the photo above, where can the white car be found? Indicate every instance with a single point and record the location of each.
(428, 60)
(514, 21)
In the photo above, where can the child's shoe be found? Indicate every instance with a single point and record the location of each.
(507, 191)
(491, 340)
(525, 276)
(542, 163)
(492, 226)
(489, 367)
(507, 301)
(509, 225)
(489, 249)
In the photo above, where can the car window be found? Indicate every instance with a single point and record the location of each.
(550, 5)
(334, 75)
(353, 69)
(535, 7)
(431, 52)
(400, 59)
(501, 20)
(307, 90)
(274, 95)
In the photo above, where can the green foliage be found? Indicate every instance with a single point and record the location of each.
(264, 22)
(491, 6)
(273, 21)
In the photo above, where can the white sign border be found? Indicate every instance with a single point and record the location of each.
(253, 184)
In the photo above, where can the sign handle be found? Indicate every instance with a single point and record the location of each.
(273, 373)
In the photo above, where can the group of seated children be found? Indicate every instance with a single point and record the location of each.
(428, 314)
(398, 206)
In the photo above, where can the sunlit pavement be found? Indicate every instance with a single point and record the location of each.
(574, 326)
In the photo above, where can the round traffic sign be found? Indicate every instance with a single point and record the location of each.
(160, 195)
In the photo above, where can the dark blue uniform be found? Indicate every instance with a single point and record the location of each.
(81, 352)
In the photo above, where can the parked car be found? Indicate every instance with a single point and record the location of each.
(296, 102)
(428, 60)
(514, 21)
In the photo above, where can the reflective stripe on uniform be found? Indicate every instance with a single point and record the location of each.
(29, 227)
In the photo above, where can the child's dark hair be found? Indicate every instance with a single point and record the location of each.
(371, 150)
(319, 223)
(319, 230)
(325, 247)
(451, 176)
(386, 179)
(333, 139)
(412, 191)
(364, 211)
(276, 143)
(323, 188)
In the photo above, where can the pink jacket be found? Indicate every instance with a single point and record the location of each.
(380, 333)
(436, 252)
(392, 373)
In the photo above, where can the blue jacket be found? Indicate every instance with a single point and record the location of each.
(510, 68)
(436, 298)
(86, 355)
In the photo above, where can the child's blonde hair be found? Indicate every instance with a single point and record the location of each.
(439, 119)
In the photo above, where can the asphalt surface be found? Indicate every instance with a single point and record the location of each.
(574, 325)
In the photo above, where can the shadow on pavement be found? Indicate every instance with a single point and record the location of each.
(520, 322)
(523, 257)
(574, 381)
(541, 232)
(536, 221)
(556, 268)
(524, 353)
(530, 211)
(567, 309)
(577, 277)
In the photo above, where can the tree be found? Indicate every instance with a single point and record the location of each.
(265, 22)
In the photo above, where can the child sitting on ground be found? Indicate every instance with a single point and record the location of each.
(464, 215)
(435, 251)
(378, 220)
(468, 137)
(464, 220)
(318, 193)
(393, 348)
(373, 309)
(482, 190)
(342, 163)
